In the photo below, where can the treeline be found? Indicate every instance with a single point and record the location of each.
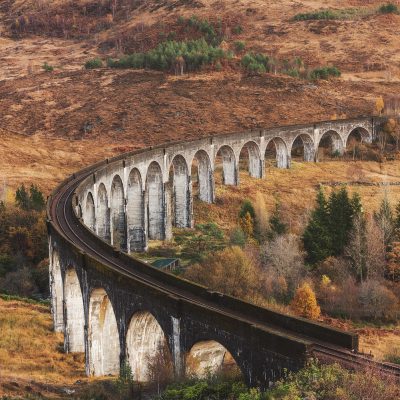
(346, 263)
(23, 245)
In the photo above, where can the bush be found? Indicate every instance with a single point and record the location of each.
(47, 68)
(325, 73)
(239, 46)
(317, 15)
(388, 8)
(237, 30)
(195, 53)
(93, 63)
(255, 63)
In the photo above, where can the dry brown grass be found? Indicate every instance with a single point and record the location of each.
(31, 353)
(295, 188)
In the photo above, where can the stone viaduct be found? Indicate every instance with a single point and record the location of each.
(117, 309)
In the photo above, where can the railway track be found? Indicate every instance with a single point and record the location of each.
(62, 217)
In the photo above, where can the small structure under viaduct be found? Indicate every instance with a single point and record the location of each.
(117, 309)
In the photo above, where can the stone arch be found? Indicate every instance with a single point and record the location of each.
(117, 212)
(332, 141)
(89, 216)
(210, 357)
(103, 338)
(229, 166)
(360, 134)
(56, 290)
(181, 193)
(202, 176)
(303, 146)
(135, 212)
(103, 213)
(147, 348)
(74, 314)
(155, 202)
(250, 153)
(277, 147)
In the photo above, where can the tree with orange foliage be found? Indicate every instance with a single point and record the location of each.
(379, 105)
(305, 303)
(393, 265)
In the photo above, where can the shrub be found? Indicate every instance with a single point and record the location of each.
(237, 30)
(239, 46)
(255, 63)
(304, 302)
(47, 68)
(325, 73)
(93, 63)
(317, 15)
(388, 8)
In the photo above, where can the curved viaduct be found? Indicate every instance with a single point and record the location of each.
(118, 309)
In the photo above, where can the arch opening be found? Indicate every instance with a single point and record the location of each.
(250, 160)
(118, 221)
(103, 214)
(276, 154)
(210, 357)
(155, 202)
(56, 290)
(330, 146)
(104, 346)
(147, 349)
(202, 177)
(74, 314)
(89, 216)
(181, 194)
(135, 212)
(303, 148)
(355, 143)
(226, 157)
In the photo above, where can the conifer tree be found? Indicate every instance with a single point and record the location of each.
(316, 237)
(22, 198)
(385, 220)
(36, 198)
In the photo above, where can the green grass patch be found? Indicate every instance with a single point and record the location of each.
(329, 14)
(8, 297)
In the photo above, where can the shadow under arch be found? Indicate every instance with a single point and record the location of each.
(179, 178)
(89, 215)
(103, 337)
(74, 314)
(330, 146)
(135, 212)
(147, 350)
(155, 201)
(202, 177)
(250, 159)
(355, 140)
(56, 290)
(210, 357)
(117, 213)
(276, 153)
(303, 148)
(226, 156)
(103, 213)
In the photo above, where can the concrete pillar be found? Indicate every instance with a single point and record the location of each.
(177, 353)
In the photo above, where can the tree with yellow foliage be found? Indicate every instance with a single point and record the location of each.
(246, 223)
(305, 303)
(379, 105)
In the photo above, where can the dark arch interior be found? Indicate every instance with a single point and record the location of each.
(326, 146)
(297, 152)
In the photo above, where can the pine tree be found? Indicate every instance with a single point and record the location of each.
(276, 225)
(22, 198)
(36, 198)
(247, 207)
(340, 210)
(316, 239)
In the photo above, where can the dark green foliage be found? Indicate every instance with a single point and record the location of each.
(276, 225)
(93, 63)
(386, 220)
(322, 14)
(196, 54)
(388, 8)
(325, 73)
(255, 63)
(328, 229)
(247, 207)
(47, 68)
(33, 200)
(239, 46)
(196, 244)
(237, 30)
(397, 219)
